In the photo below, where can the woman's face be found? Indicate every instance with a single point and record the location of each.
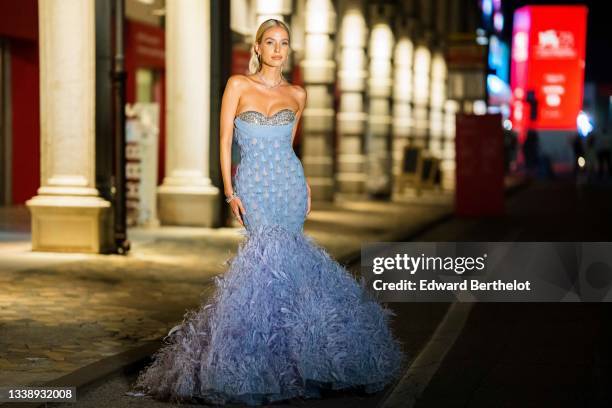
(274, 46)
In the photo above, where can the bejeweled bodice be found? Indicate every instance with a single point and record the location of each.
(282, 117)
(270, 178)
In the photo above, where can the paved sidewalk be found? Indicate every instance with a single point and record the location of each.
(62, 312)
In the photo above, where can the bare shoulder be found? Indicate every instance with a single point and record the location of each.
(237, 81)
(298, 91)
(299, 94)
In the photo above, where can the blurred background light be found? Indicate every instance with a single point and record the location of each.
(584, 124)
(498, 21)
(487, 7)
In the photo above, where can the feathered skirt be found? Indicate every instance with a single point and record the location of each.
(286, 320)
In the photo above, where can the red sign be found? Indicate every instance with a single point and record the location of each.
(547, 71)
(479, 148)
(145, 45)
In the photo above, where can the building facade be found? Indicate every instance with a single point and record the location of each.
(376, 74)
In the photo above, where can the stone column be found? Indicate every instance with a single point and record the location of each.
(422, 72)
(265, 9)
(351, 120)
(187, 196)
(420, 96)
(319, 69)
(380, 81)
(436, 103)
(68, 213)
(402, 93)
(447, 164)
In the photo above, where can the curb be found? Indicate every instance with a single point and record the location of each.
(406, 391)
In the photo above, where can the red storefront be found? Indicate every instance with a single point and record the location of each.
(145, 58)
(20, 127)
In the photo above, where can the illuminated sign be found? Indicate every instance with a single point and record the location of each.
(499, 58)
(547, 69)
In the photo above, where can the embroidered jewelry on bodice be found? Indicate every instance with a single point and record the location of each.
(282, 117)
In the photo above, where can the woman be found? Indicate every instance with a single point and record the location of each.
(286, 319)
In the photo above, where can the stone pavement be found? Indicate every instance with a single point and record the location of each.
(62, 312)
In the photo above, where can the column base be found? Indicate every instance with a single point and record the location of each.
(351, 183)
(321, 189)
(71, 224)
(188, 205)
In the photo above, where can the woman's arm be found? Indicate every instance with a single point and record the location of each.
(229, 105)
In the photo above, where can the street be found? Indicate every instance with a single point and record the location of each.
(142, 142)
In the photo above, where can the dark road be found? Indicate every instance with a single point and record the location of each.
(529, 354)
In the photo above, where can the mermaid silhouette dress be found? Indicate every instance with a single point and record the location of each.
(286, 320)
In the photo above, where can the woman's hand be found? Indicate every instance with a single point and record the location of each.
(237, 209)
(309, 200)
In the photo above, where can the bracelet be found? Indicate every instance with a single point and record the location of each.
(227, 200)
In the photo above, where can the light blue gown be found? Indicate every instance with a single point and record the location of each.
(286, 319)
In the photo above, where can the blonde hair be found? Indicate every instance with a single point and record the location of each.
(254, 62)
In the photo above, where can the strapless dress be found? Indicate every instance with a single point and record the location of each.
(286, 320)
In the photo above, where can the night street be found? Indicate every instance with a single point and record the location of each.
(314, 203)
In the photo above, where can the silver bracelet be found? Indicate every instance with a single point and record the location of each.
(234, 195)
